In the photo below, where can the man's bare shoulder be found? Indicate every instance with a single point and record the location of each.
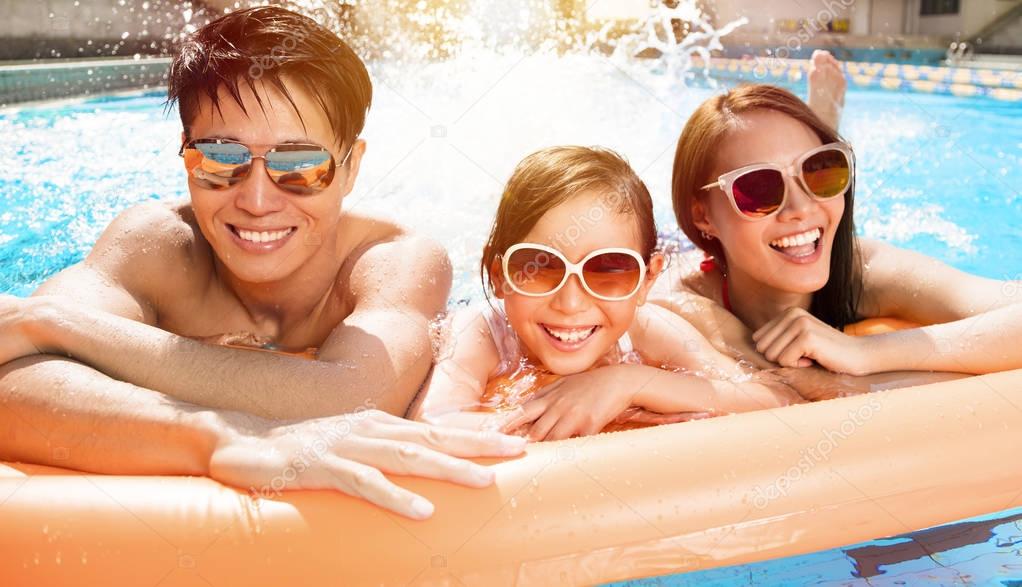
(153, 240)
(389, 252)
(381, 241)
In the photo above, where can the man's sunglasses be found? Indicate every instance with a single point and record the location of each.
(759, 191)
(218, 164)
(608, 274)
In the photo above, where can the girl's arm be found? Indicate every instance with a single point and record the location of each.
(583, 404)
(713, 383)
(974, 321)
(456, 383)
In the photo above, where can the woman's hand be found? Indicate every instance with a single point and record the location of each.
(350, 453)
(16, 339)
(796, 338)
(574, 405)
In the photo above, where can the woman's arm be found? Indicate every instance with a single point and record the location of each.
(974, 321)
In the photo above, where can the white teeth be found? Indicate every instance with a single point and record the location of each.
(797, 239)
(263, 237)
(571, 335)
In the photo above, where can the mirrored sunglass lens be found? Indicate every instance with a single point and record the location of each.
(300, 169)
(612, 275)
(826, 173)
(534, 270)
(217, 165)
(760, 192)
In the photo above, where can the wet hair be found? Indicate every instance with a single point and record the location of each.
(271, 44)
(695, 159)
(552, 176)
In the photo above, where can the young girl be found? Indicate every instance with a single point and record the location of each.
(570, 259)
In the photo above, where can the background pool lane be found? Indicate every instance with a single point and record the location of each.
(938, 174)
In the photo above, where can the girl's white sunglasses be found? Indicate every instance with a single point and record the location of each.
(611, 274)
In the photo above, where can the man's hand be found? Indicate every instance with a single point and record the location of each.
(350, 453)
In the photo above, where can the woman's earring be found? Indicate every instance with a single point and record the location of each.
(708, 237)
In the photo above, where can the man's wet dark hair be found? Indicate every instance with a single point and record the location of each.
(269, 44)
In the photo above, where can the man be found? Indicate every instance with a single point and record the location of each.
(271, 106)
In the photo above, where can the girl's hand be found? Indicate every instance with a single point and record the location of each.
(15, 332)
(796, 338)
(575, 405)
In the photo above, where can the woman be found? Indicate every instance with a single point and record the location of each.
(766, 189)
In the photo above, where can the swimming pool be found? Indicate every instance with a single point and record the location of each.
(939, 174)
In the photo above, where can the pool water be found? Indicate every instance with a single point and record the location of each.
(979, 551)
(938, 174)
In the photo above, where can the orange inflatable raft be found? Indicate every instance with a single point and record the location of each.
(683, 497)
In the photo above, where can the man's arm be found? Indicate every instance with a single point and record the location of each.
(57, 411)
(378, 356)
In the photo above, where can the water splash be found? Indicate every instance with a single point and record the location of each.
(681, 37)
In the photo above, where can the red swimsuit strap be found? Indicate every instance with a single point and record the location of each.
(709, 264)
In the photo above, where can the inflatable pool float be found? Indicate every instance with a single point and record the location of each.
(683, 497)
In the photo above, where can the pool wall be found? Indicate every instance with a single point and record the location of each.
(48, 81)
(90, 28)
